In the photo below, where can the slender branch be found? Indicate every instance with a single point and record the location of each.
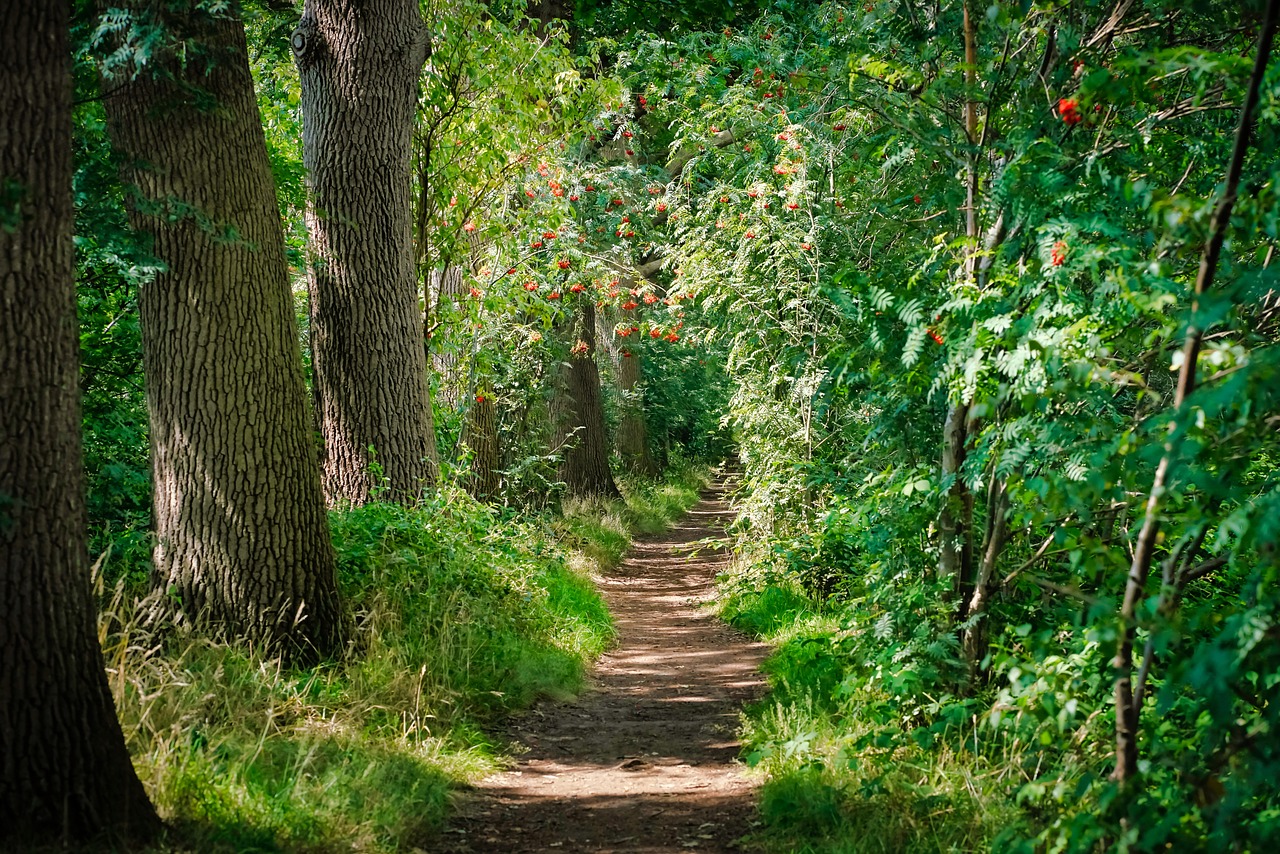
(1135, 586)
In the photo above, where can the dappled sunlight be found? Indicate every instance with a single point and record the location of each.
(647, 759)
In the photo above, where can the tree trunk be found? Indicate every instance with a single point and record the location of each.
(632, 439)
(446, 284)
(1128, 707)
(955, 521)
(480, 435)
(976, 637)
(359, 65)
(579, 415)
(65, 774)
(545, 12)
(633, 433)
(243, 546)
(480, 419)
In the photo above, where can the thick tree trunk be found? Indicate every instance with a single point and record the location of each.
(578, 414)
(243, 546)
(359, 65)
(64, 770)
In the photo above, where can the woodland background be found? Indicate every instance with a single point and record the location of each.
(406, 316)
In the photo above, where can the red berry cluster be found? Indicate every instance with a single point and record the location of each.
(1059, 254)
(1069, 109)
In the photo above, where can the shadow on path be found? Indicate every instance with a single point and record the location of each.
(644, 761)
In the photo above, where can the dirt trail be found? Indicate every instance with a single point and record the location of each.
(644, 761)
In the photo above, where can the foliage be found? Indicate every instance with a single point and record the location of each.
(821, 220)
(463, 614)
(821, 230)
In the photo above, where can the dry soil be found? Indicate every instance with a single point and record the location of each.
(645, 761)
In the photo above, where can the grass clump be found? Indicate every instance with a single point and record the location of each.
(602, 528)
(462, 614)
(853, 760)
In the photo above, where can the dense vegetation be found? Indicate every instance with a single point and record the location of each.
(464, 614)
(982, 299)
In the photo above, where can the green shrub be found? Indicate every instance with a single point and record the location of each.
(461, 614)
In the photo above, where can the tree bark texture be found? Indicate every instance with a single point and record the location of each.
(632, 437)
(578, 414)
(65, 773)
(243, 546)
(359, 65)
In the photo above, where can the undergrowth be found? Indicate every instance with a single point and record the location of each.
(462, 614)
(852, 758)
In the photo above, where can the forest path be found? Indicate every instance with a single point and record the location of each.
(644, 761)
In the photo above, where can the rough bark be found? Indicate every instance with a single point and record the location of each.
(480, 435)
(359, 64)
(578, 413)
(1128, 707)
(243, 546)
(632, 437)
(65, 774)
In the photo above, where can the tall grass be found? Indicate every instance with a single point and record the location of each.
(842, 771)
(462, 614)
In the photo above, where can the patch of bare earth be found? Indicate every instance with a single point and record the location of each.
(645, 760)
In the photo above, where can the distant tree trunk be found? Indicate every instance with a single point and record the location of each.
(544, 12)
(633, 432)
(480, 418)
(976, 637)
(955, 521)
(578, 413)
(243, 546)
(65, 774)
(480, 435)
(632, 438)
(446, 284)
(359, 65)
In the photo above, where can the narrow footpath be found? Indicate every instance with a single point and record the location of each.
(644, 762)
